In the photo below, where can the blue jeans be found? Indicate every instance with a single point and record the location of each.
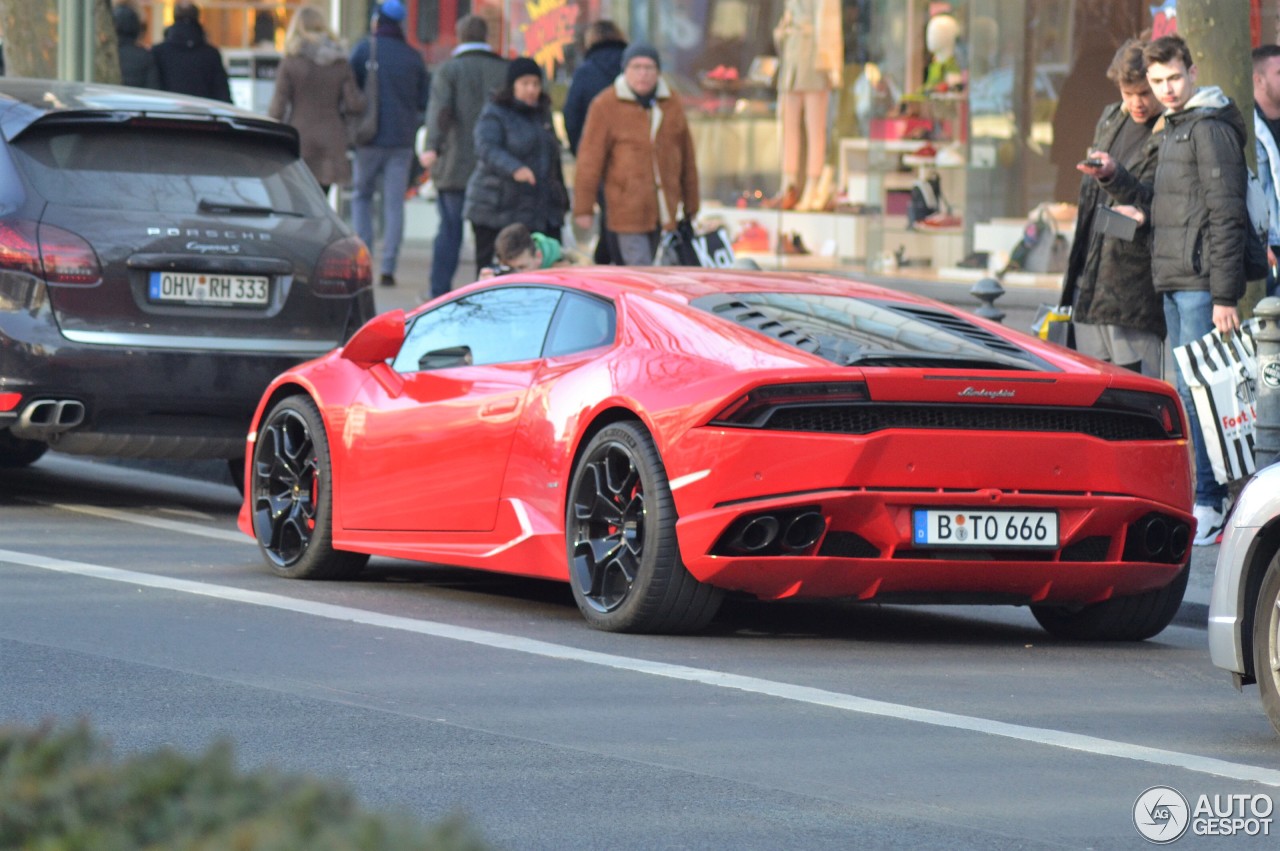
(1189, 316)
(448, 244)
(392, 166)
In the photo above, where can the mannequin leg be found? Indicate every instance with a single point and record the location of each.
(815, 131)
(792, 131)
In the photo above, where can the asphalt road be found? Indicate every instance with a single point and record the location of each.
(128, 597)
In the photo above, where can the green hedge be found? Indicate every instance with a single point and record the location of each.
(62, 789)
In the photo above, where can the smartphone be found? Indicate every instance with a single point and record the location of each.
(1092, 163)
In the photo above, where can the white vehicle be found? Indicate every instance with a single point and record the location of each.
(1244, 610)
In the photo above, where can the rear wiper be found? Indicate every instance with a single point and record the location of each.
(208, 205)
(930, 359)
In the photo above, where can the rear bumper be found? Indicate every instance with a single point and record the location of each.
(866, 487)
(183, 400)
(866, 551)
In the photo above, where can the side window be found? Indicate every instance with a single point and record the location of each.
(495, 326)
(581, 323)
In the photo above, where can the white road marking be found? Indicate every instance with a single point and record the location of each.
(718, 679)
(157, 523)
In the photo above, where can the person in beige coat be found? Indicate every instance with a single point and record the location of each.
(637, 145)
(315, 91)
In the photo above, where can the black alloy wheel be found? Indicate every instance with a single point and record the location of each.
(292, 498)
(624, 562)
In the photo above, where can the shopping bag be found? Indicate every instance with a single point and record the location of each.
(1222, 375)
(1053, 323)
(684, 247)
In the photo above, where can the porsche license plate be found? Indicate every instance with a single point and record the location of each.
(956, 527)
(204, 288)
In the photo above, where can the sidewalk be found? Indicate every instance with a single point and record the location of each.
(413, 272)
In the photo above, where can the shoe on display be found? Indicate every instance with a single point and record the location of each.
(752, 238)
(1210, 521)
(951, 155)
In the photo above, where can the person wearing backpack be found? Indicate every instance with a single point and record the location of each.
(1199, 226)
(1266, 128)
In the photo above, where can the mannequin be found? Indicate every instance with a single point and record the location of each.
(810, 43)
(943, 73)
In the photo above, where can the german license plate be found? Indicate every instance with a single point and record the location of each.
(205, 288)
(954, 527)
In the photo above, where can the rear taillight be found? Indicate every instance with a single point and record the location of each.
(9, 401)
(58, 256)
(753, 408)
(1160, 408)
(344, 268)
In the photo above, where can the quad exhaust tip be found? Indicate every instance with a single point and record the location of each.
(772, 534)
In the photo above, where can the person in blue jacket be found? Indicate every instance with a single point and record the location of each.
(403, 87)
(604, 43)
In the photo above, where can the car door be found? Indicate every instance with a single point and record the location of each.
(430, 448)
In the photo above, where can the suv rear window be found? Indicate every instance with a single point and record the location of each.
(165, 170)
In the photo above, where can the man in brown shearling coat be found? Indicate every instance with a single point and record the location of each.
(636, 143)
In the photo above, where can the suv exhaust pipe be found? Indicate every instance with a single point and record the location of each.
(42, 418)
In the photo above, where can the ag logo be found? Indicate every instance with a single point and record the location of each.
(1161, 814)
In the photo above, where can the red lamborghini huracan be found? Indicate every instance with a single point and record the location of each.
(660, 438)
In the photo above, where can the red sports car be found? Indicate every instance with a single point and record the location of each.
(661, 438)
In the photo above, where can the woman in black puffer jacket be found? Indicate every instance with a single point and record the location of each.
(518, 177)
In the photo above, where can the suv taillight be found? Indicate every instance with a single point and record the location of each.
(56, 255)
(344, 268)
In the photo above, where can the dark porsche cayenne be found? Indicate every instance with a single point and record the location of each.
(161, 259)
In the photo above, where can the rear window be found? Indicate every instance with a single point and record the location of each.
(847, 330)
(165, 170)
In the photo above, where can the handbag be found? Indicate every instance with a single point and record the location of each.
(363, 126)
(684, 247)
(1222, 375)
(1053, 323)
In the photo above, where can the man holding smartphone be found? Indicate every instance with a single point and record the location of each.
(1116, 313)
(1196, 207)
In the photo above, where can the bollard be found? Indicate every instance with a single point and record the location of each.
(1266, 445)
(987, 291)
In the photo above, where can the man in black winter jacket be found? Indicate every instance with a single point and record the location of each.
(1118, 317)
(1196, 207)
(137, 66)
(601, 65)
(187, 62)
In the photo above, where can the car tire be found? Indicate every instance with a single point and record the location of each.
(291, 495)
(1135, 617)
(18, 452)
(1266, 642)
(624, 562)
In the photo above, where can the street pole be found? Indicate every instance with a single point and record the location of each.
(1266, 444)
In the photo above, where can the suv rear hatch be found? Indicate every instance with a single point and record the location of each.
(199, 234)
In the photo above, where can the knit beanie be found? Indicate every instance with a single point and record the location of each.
(522, 66)
(638, 50)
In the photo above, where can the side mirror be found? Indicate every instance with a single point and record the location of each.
(378, 340)
(445, 358)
